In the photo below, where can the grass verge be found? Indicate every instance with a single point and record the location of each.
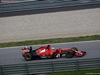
(50, 41)
(83, 72)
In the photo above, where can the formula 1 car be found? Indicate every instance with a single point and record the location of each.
(50, 52)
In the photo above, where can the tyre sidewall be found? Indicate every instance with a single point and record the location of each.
(28, 57)
(74, 48)
(69, 54)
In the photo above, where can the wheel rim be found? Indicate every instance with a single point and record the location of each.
(28, 57)
(69, 54)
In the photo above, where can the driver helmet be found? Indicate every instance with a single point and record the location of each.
(53, 48)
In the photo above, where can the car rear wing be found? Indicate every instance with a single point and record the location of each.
(25, 51)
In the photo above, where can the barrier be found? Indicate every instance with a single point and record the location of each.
(50, 67)
(36, 5)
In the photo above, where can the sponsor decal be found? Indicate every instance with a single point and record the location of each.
(60, 51)
(47, 53)
(51, 53)
(40, 50)
(58, 55)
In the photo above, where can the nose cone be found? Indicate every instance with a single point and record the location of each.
(83, 52)
(80, 53)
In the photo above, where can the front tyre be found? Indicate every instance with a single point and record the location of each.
(69, 54)
(53, 56)
(74, 48)
(28, 57)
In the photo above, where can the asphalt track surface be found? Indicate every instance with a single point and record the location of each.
(30, 12)
(12, 55)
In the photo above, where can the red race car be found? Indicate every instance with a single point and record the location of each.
(50, 52)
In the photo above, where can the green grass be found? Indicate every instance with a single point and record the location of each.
(83, 72)
(50, 41)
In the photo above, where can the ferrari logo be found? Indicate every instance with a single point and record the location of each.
(60, 51)
(40, 50)
(47, 53)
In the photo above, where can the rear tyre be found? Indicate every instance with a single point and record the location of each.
(53, 56)
(69, 54)
(28, 57)
(74, 48)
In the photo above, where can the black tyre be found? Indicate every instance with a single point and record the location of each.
(74, 48)
(28, 57)
(53, 56)
(69, 54)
